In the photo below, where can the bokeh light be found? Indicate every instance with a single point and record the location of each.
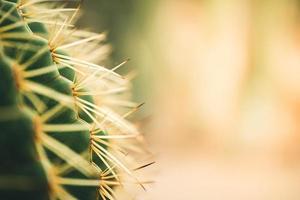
(221, 82)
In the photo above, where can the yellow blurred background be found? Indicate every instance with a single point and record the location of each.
(221, 82)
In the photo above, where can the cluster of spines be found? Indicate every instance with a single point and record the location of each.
(56, 104)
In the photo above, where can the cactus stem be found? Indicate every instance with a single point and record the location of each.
(34, 58)
(51, 97)
(20, 182)
(68, 155)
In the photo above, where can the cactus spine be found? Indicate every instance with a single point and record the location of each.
(60, 134)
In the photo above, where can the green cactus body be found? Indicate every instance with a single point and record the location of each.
(55, 139)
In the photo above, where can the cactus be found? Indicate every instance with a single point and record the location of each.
(63, 127)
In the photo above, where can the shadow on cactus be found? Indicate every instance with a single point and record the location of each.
(63, 128)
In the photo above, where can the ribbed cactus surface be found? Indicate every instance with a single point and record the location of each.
(63, 127)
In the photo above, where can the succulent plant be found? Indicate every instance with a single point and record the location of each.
(63, 127)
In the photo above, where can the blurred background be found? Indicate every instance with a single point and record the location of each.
(221, 83)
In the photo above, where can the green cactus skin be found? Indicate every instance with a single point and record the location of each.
(48, 149)
(25, 160)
